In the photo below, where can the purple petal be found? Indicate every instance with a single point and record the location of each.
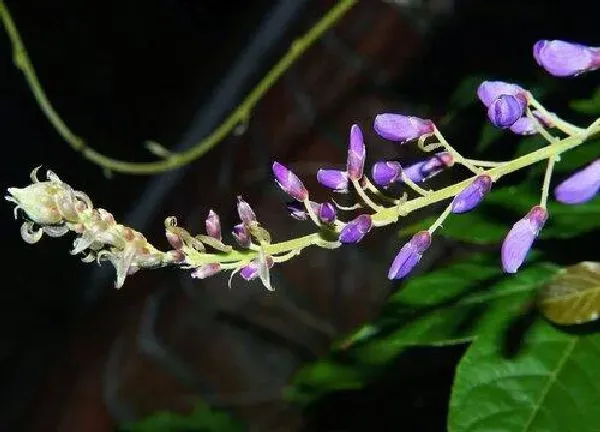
(213, 225)
(580, 187)
(245, 212)
(397, 127)
(355, 230)
(519, 239)
(409, 255)
(385, 173)
(427, 168)
(333, 179)
(289, 182)
(206, 270)
(472, 195)
(524, 126)
(488, 91)
(242, 235)
(250, 271)
(356, 153)
(326, 212)
(505, 110)
(561, 58)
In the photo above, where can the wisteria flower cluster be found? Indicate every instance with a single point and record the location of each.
(52, 207)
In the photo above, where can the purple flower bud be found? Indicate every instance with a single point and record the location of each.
(298, 211)
(397, 127)
(581, 186)
(326, 212)
(213, 225)
(524, 126)
(563, 59)
(245, 212)
(410, 255)
(250, 271)
(427, 168)
(333, 179)
(385, 173)
(356, 153)
(505, 110)
(206, 270)
(242, 235)
(355, 230)
(472, 195)
(289, 182)
(489, 91)
(519, 239)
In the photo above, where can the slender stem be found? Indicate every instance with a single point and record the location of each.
(458, 158)
(411, 184)
(364, 196)
(311, 212)
(484, 163)
(175, 160)
(554, 120)
(373, 189)
(547, 178)
(440, 220)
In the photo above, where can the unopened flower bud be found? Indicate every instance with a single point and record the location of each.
(242, 235)
(519, 239)
(213, 225)
(174, 239)
(206, 270)
(385, 173)
(429, 167)
(561, 58)
(505, 110)
(409, 255)
(472, 195)
(489, 91)
(355, 230)
(289, 182)
(333, 179)
(401, 128)
(581, 186)
(356, 153)
(326, 212)
(245, 212)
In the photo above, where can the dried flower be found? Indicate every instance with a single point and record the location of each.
(409, 255)
(561, 58)
(505, 110)
(355, 230)
(213, 225)
(472, 195)
(289, 182)
(401, 128)
(385, 173)
(519, 239)
(356, 154)
(581, 186)
(335, 180)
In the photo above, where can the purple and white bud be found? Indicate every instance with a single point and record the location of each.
(242, 235)
(213, 225)
(427, 168)
(245, 212)
(297, 210)
(581, 186)
(524, 126)
(385, 173)
(401, 128)
(206, 270)
(356, 154)
(355, 230)
(250, 271)
(505, 110)
(472, 195)
(409, 256)
(489, 91)
(335, 180)
(289, 182)
(562, 59)
(326, 212)
(519, 239)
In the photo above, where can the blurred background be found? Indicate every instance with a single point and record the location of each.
(76, 355)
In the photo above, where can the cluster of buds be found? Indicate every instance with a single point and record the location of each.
(52, 207)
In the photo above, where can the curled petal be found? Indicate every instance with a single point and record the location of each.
(562, 59)
(401, 128)
(472, 195)
(488, 91)
(55, 231)
(333, 179)
(30, 235)
(505, 110)
(356, 153)
(355, 230)
(409, 255)
(581, 186)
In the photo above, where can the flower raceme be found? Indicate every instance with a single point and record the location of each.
(53, 208)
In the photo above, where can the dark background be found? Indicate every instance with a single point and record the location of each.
(122, 72)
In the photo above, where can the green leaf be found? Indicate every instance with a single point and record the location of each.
(553, 384)
(450, 306)
(202, 419)
(589, 106)
(573, 295)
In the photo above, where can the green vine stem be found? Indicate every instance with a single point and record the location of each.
(172, 160)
